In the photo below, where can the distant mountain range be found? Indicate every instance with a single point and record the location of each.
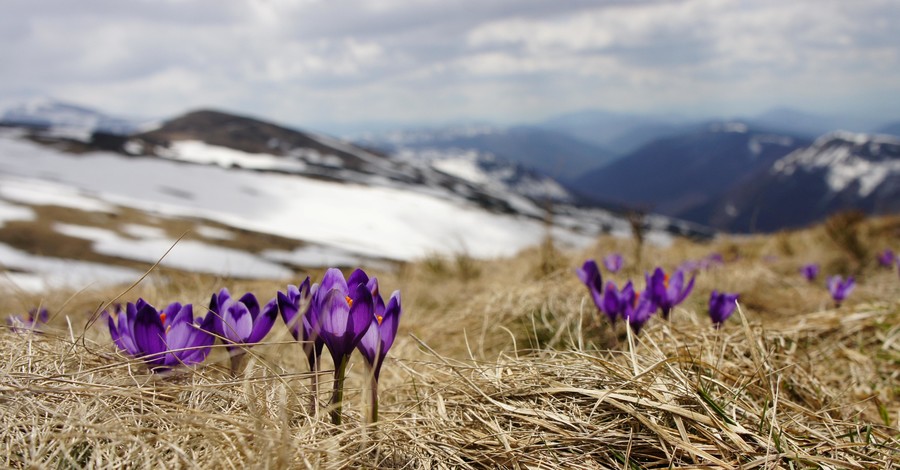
(838, 171)
(66, 119)
(673, 175)
(552, 153)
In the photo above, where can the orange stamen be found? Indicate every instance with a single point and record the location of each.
(349, 301)
(379, 318)
(666, 281)
(162, 317)
(637, 295)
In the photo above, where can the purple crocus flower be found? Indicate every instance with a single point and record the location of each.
(612, 300)
(345, 309)
(590, 276)
(810, 271)
(379, 338)
(886, 258)
(613, 262)
(636, 308)
(840, 288)
(665, 294)
(241, 321)
(721, 306)
(33, 321)
(162, 338)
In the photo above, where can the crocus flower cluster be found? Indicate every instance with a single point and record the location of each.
(343, 315)
(33, 321)
(162, 338)
(340, 314)
(629, 304)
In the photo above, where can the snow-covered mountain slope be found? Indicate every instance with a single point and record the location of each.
(839, 171)
(847, 159)
(65, 119)
(337, 202)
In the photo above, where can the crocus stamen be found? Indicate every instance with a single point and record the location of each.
(162, 318)
(380, 318)
(666, 281)
(349, 301)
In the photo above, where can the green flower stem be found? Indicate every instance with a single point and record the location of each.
(314, 385)
(337, 396)
(373, 408)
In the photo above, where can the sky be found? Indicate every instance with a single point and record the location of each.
(324, 64)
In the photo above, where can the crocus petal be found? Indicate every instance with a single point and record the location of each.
(149, 335)
(687, 290)
(390, 321)
(252, 304)
(264, 322)
(370, 342)
(184, 314)
(236, 321)
(288, 305)
(113, 331)
(361, 313)
(333, 279)
(333, 322)
(611, 301)
(177, 339)
(358, 276)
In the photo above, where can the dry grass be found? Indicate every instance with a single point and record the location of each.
(499, 363)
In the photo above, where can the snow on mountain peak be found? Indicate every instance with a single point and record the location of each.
(64, 119)
(846, 157)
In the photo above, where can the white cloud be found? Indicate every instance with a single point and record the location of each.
(315, 61)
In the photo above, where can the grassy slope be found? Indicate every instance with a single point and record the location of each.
(498, 363)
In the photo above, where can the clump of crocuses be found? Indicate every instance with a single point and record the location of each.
(344, 309)
(33, 321)
(629, 304)
(162, 338)
(721, 306)
(840, 288)
(240, 323)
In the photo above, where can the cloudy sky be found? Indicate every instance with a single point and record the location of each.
(320, 63)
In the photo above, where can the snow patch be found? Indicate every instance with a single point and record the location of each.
(10, 212)
(188, 255)
(213, 233)
(45, 193)
(39, 273)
